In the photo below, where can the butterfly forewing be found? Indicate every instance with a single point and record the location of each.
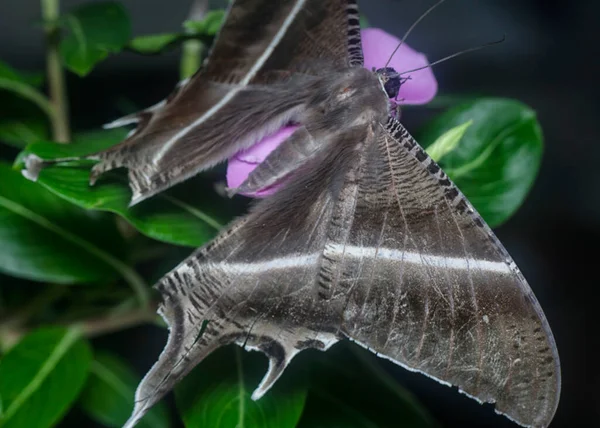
(214, 115)
(255, 284)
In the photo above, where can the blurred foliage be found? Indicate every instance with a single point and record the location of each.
(60, 232)
(92, 32)
(498, 157)
(108, 394)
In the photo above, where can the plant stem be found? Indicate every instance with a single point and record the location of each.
(192, 49)
(55, 72)
(89, 328)
(49, 294)
(104, 325)
(29, 93)
(190, 58)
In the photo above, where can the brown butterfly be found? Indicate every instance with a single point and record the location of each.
(368, 240)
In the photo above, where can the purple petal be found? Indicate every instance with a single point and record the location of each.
(244, 162)
(377, 48)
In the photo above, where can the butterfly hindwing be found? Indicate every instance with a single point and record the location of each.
(375, 245)
(430, 287)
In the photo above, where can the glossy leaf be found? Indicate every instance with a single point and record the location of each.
(217, 394)
(45, 238)
(350, 389)
(497, 159)
(109, 392)
(209, 26)
(41, 376)
(94, 31)
(183, 215)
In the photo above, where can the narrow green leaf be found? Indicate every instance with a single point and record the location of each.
(203, 30)
(350, 389)
(45, 238)
(20, 132)
(184, 215)
(498, 157)
(97, 139)
(23, 86)
(447, 141)
(9, 73)
(41, 376)
(109, 392)
(217, 394)
(209, 26)
(21, 122)
(154, 43)
(34, 79)
(94, 31)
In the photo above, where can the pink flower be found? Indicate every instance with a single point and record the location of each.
(377, 45)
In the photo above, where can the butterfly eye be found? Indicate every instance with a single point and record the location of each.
(391, 81)
(392, 87)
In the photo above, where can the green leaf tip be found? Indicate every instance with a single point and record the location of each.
(209, 26)
(447, 141)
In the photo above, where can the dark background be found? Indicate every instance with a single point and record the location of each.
(547, 61)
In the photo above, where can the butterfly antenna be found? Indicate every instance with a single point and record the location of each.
(412, 27)
(454, 55)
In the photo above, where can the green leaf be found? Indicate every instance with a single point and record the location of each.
(447, 141)
(209, 26)
(182, 215)
(41, 376)
(154, 43)
(21, 122)
(217, 394)
(19, 132)
(364, 22)
(497, 159)
(109, 392)
(350, 389)
(29, 78)
(44, 238)
(23, 86)
(204, 29)
(97, 139)
(9, 73)
(95, 30)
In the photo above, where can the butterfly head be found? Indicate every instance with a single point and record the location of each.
(391, 81)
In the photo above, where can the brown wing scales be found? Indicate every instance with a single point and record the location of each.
(440, 294)
(375, 246)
